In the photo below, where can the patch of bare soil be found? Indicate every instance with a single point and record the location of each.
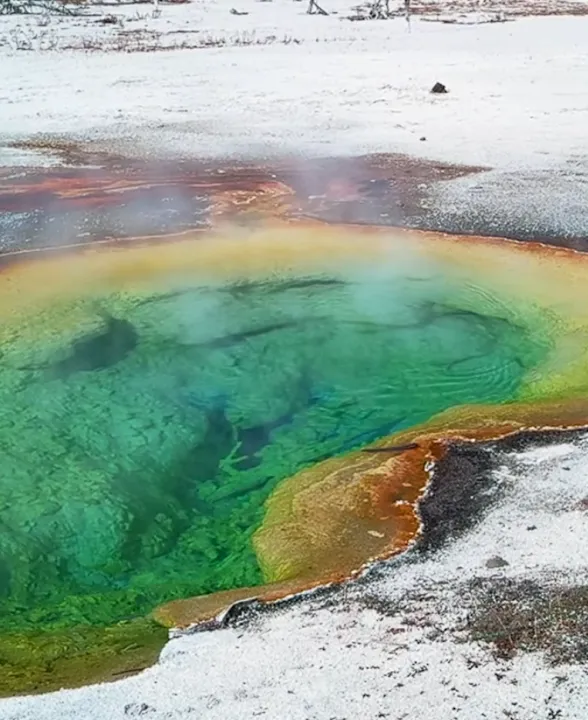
(524, 616)
(467, 12)
(504, 8)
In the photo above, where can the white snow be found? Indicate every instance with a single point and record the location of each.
(346, 660)
(516, 89)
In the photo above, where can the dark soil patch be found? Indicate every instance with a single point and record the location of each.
(510, 8)
(463, 485)
(515, 615)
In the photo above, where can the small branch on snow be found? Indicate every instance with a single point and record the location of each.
(315, 9)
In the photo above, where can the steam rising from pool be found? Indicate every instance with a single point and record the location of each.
(154, 398)
(143, 438)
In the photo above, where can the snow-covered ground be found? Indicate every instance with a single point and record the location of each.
(516, 90)
(394, 645)
(131, 25)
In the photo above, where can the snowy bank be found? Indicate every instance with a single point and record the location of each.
(516, 92)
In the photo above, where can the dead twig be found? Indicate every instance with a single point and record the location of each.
(315, 9)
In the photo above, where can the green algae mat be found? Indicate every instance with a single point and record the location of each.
(151, 403)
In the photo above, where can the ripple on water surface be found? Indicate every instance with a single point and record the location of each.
(143, 431)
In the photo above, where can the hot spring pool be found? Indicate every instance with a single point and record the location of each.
(148, 415)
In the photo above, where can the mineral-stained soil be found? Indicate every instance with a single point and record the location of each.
(124, 199)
